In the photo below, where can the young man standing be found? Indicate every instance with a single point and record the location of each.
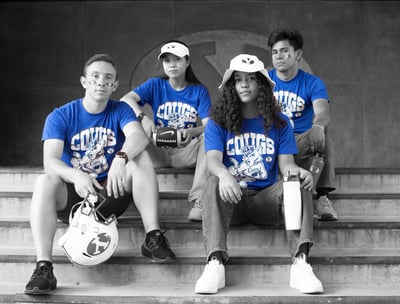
(304, 99)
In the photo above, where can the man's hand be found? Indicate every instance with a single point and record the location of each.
(148, 126)
(229, 189)
(85, 184)
(116, 178)
(317, 139)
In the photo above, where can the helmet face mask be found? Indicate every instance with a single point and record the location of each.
(90, 238)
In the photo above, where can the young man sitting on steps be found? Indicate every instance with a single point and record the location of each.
(93, 144)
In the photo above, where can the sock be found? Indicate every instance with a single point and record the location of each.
(45, 262)
(216, 255)
(151, 233)
(304, 248)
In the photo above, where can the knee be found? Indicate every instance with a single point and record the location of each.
(48, 182)
(211, 184)
(306, 197)
(142, 160)
(48, 190)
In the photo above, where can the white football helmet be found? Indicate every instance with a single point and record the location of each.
(90, 239)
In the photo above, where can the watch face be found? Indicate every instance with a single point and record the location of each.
(122, 155)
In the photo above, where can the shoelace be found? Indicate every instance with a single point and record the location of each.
(198, 204)
(325, 202)
(42, 272)
(158, 240)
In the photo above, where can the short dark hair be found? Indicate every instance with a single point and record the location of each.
(100, 57)
(293, 36)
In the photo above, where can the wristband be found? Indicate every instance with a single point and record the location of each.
(140, 116)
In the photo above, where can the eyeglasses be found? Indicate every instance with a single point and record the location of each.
(107, 83)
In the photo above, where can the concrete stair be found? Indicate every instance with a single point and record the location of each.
(357, 258)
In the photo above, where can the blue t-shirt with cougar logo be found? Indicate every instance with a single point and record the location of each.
(175, 109)
(251, 156)
(90, 140)
(296, 97)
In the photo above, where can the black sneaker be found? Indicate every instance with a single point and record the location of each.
(43, 280)
(157, 248)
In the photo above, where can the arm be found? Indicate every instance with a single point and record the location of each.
(83, 182)
(229, 189)
(133, 99)
(320, 121)
(321, 112)
(135, 142)
(286, 163)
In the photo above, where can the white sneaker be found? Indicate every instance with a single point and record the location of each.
(303, 278)
(195, 213)
(323, 209)
(212, 279)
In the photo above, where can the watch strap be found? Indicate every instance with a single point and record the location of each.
(140, 116)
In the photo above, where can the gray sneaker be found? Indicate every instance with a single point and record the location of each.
(323, 209)
(195, 212)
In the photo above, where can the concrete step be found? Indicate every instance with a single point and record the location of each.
(353, 180)
(247, 266)
(22, 179)
(357, 258)
(360, 180)
(17, 204)
(348, 232)
(129, 293)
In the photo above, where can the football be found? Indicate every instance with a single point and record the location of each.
(167, 137)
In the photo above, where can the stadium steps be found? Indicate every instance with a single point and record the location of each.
(357, 258)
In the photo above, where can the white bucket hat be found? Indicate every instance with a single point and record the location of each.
(245, 63)
(175, 48)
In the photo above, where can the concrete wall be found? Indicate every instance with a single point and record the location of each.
(352, 45)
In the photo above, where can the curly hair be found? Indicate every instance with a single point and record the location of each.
(227, 110)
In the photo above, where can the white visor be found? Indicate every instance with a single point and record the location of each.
(175, 48)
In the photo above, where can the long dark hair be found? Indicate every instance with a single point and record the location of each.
(226, 111)
(189, 75)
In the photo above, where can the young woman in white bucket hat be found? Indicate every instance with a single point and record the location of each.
(247, 142)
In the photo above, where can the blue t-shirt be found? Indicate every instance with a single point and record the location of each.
(296, 97)
(176, 109)
(90, 140)
(251, 156)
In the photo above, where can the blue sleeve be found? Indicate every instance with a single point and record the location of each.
(127, 115)
(287, 140)
(205, 103)
(318, 89)
(55, 126)
(145, 91)
(214, 137)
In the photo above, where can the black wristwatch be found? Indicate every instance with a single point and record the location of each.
(123, 155)
(140, 116)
